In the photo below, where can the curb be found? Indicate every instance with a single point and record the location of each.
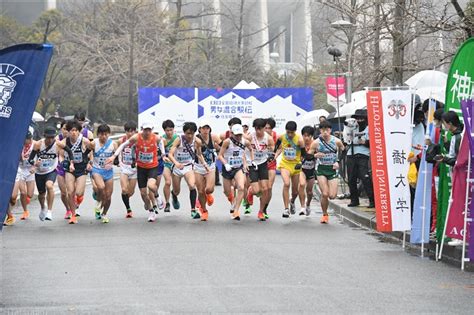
(361, 219)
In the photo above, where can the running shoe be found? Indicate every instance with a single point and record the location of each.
(78, 213)
(25, 215)
(261, 216)
(129, 214)
(195, 214)
(292, 208)
(42, 214)
(105, 219)
(286, 213)
(236, 215)
(266, 214)
(152, 216)
(204, 215)
(175, 201)
(49, 215)
(308, 211)
(68, 214)
(155, 209)
(160, 203)
(209, 199)
(302, 211)
(248, 210)
(73, 220)
(10, 220)
(97, 213)
(167, 207)
(325, 219)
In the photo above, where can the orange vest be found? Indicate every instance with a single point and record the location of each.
(146, 150)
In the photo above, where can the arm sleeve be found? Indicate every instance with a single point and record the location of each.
(69, 153)
(122, 146)
(31, 158)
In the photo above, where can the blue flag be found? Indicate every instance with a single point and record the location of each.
(22, 72)
(420, 228)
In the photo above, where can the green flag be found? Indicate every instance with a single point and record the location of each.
(460, 86)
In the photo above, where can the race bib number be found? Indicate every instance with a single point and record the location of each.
(289, 153)
(77, 157)
(236, 160)
(145, 157)
(45, 165)
(101, 162)
(309, 165)
(127, 157)
(183, 157)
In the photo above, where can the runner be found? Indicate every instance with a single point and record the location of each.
(61, 173)
(272, 163)
(128, 170)
(232, 157)
(46, 152)
(262, 146)
(25, 177)
(327, 147)
(146, 148)
(205, 180)
(248, 197)
(183, 153)
(290, 165)
(76, 175)
(308, 174)
(169, 137)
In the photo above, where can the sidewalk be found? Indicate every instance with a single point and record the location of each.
(364, 217)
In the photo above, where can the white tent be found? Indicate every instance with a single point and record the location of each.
(312, 118)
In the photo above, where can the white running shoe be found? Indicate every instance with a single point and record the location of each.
(303, 211)
(286, 213)
(78, 213)
(152, 216)
(160, 203)
(42, 214)
(49, 215)
(308, 211)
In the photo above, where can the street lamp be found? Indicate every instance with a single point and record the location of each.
(346, 27)
(336, 53)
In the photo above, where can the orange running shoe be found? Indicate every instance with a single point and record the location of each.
(73, 220)
(68, 215)
(209, 199)
(325, 219)
(236, 215)
(25, 215)
(10, 220)
(204, 215)
(261, 216)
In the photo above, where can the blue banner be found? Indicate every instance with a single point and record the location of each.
(420, 229)
(22, 72)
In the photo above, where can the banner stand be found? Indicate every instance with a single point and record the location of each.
(466, 207)
(446, 224)
(404, 239)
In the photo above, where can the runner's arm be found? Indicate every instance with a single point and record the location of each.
(64, 147)
(132, 139)
(173, 148)
(160, 141)
(34, 152)
(225, 145)
(199, 155)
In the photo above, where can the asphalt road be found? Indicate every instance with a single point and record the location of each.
(182, 265)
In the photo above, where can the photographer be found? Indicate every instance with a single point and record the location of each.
(358, 161)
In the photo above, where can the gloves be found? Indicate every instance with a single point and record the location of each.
(116, 161)
(228, 168)
(254, 165)
(270, 156)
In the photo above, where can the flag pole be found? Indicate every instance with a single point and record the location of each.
(446, 223)
(466, 207)
(404, 239)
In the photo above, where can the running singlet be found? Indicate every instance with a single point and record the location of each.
(147, 152)
(182, 154)
(260, 151)
(330, 151)
(208, 150)
(25, 154)
(126, 156)
(308, 164)
(291, 150)
(48, 158)
(169, 143)
(79, 156)
(102, 153)
(234, 155)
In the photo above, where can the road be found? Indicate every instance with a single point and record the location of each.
(182, 265)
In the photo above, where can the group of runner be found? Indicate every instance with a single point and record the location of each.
(248, 157)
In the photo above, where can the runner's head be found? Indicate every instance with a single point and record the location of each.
(73, 128)
(438, 115)
(204, 127)
(103, 132)
(237, 131)
(290, 128)
(307, 132)
(130, 128)
(325, 128)
(270, 125)
(259, 125)
(49, 135)
(451, 121)
(80, 117)
(168, 127)
(62, 127)
(246, 126)
(189, 129)
(147, 129)
(234, 121)
(28, 138)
